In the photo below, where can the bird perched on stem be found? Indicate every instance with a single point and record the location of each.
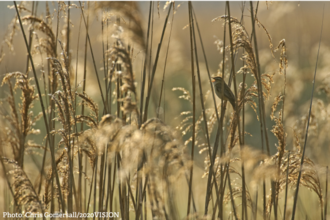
(226, 94)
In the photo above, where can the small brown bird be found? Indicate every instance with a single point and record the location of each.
(227, 93)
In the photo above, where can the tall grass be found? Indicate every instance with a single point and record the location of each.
(117, 154)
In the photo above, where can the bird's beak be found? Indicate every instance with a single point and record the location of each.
(213, 80)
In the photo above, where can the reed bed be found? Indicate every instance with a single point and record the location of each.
(96, 136)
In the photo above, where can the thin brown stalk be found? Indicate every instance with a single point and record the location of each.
(83, 111)
(65, 99)
(105, 61)
(244, 205)
(70, 156)
(151, 49)
(52, 106)
(307, 127)
(54, 77)
(94, 62)
(145, 208)
(211, 171)
(261, 103)
(326, 193)
(145, 66)
(85, 67)
(243, 119)
(155, 66)
(193, 83)
(103, 195)
(231, 192)
(68, 37)
(255, 210)
(108, 186)
(283, 65)
(101, 186)
(33, 13)
(130, 192)
(243, 124)
(149, 86)
(109, 74)
(113, 184)
(163, 79)
(121, 195)
(218, 196)
(223, 109)
(260, 96)
(286, 187)
(95, 184)
(118, 97)
(216, 143)
(91, 186)
(79, 199)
